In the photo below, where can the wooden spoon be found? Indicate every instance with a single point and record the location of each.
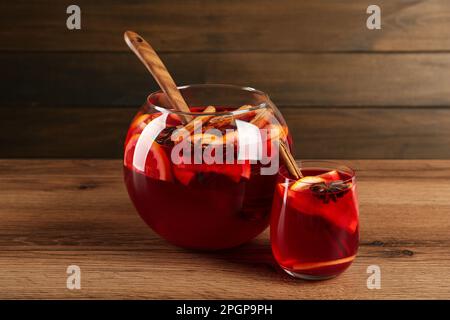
(153, 63)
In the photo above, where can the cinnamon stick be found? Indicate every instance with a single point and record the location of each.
(289, 161)
(197, 121)
(221, 121)
(262, 117)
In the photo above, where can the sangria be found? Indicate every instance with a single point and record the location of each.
(205, 179)
(314, 227)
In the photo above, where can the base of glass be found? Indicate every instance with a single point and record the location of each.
(307, 276)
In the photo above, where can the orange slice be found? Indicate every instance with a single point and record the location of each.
(306, 182)
(276, 131)
(140, 120)
(315, 265)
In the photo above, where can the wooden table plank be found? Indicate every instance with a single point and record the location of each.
(55, 213)
(217, 26)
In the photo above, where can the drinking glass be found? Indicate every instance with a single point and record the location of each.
(314, 228)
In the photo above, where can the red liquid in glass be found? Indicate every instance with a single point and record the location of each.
(315, 236)
(212, 207)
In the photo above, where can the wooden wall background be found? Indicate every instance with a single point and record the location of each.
(345, 91)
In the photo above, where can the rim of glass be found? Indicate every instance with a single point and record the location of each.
(264, 104)
(331, 165)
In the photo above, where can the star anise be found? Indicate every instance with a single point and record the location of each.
(330, 191)
(164, 137)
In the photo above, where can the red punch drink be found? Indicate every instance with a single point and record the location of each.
(200, 203)
(314, 225)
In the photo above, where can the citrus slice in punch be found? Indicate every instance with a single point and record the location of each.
(157, 164)
(305, 182)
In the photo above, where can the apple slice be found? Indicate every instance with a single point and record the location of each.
(330, 176)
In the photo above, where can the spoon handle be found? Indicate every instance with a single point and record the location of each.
(153, 63)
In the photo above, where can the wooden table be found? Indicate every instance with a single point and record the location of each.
(56, 213)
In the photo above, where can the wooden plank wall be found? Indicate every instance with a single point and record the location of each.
(345, 91)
